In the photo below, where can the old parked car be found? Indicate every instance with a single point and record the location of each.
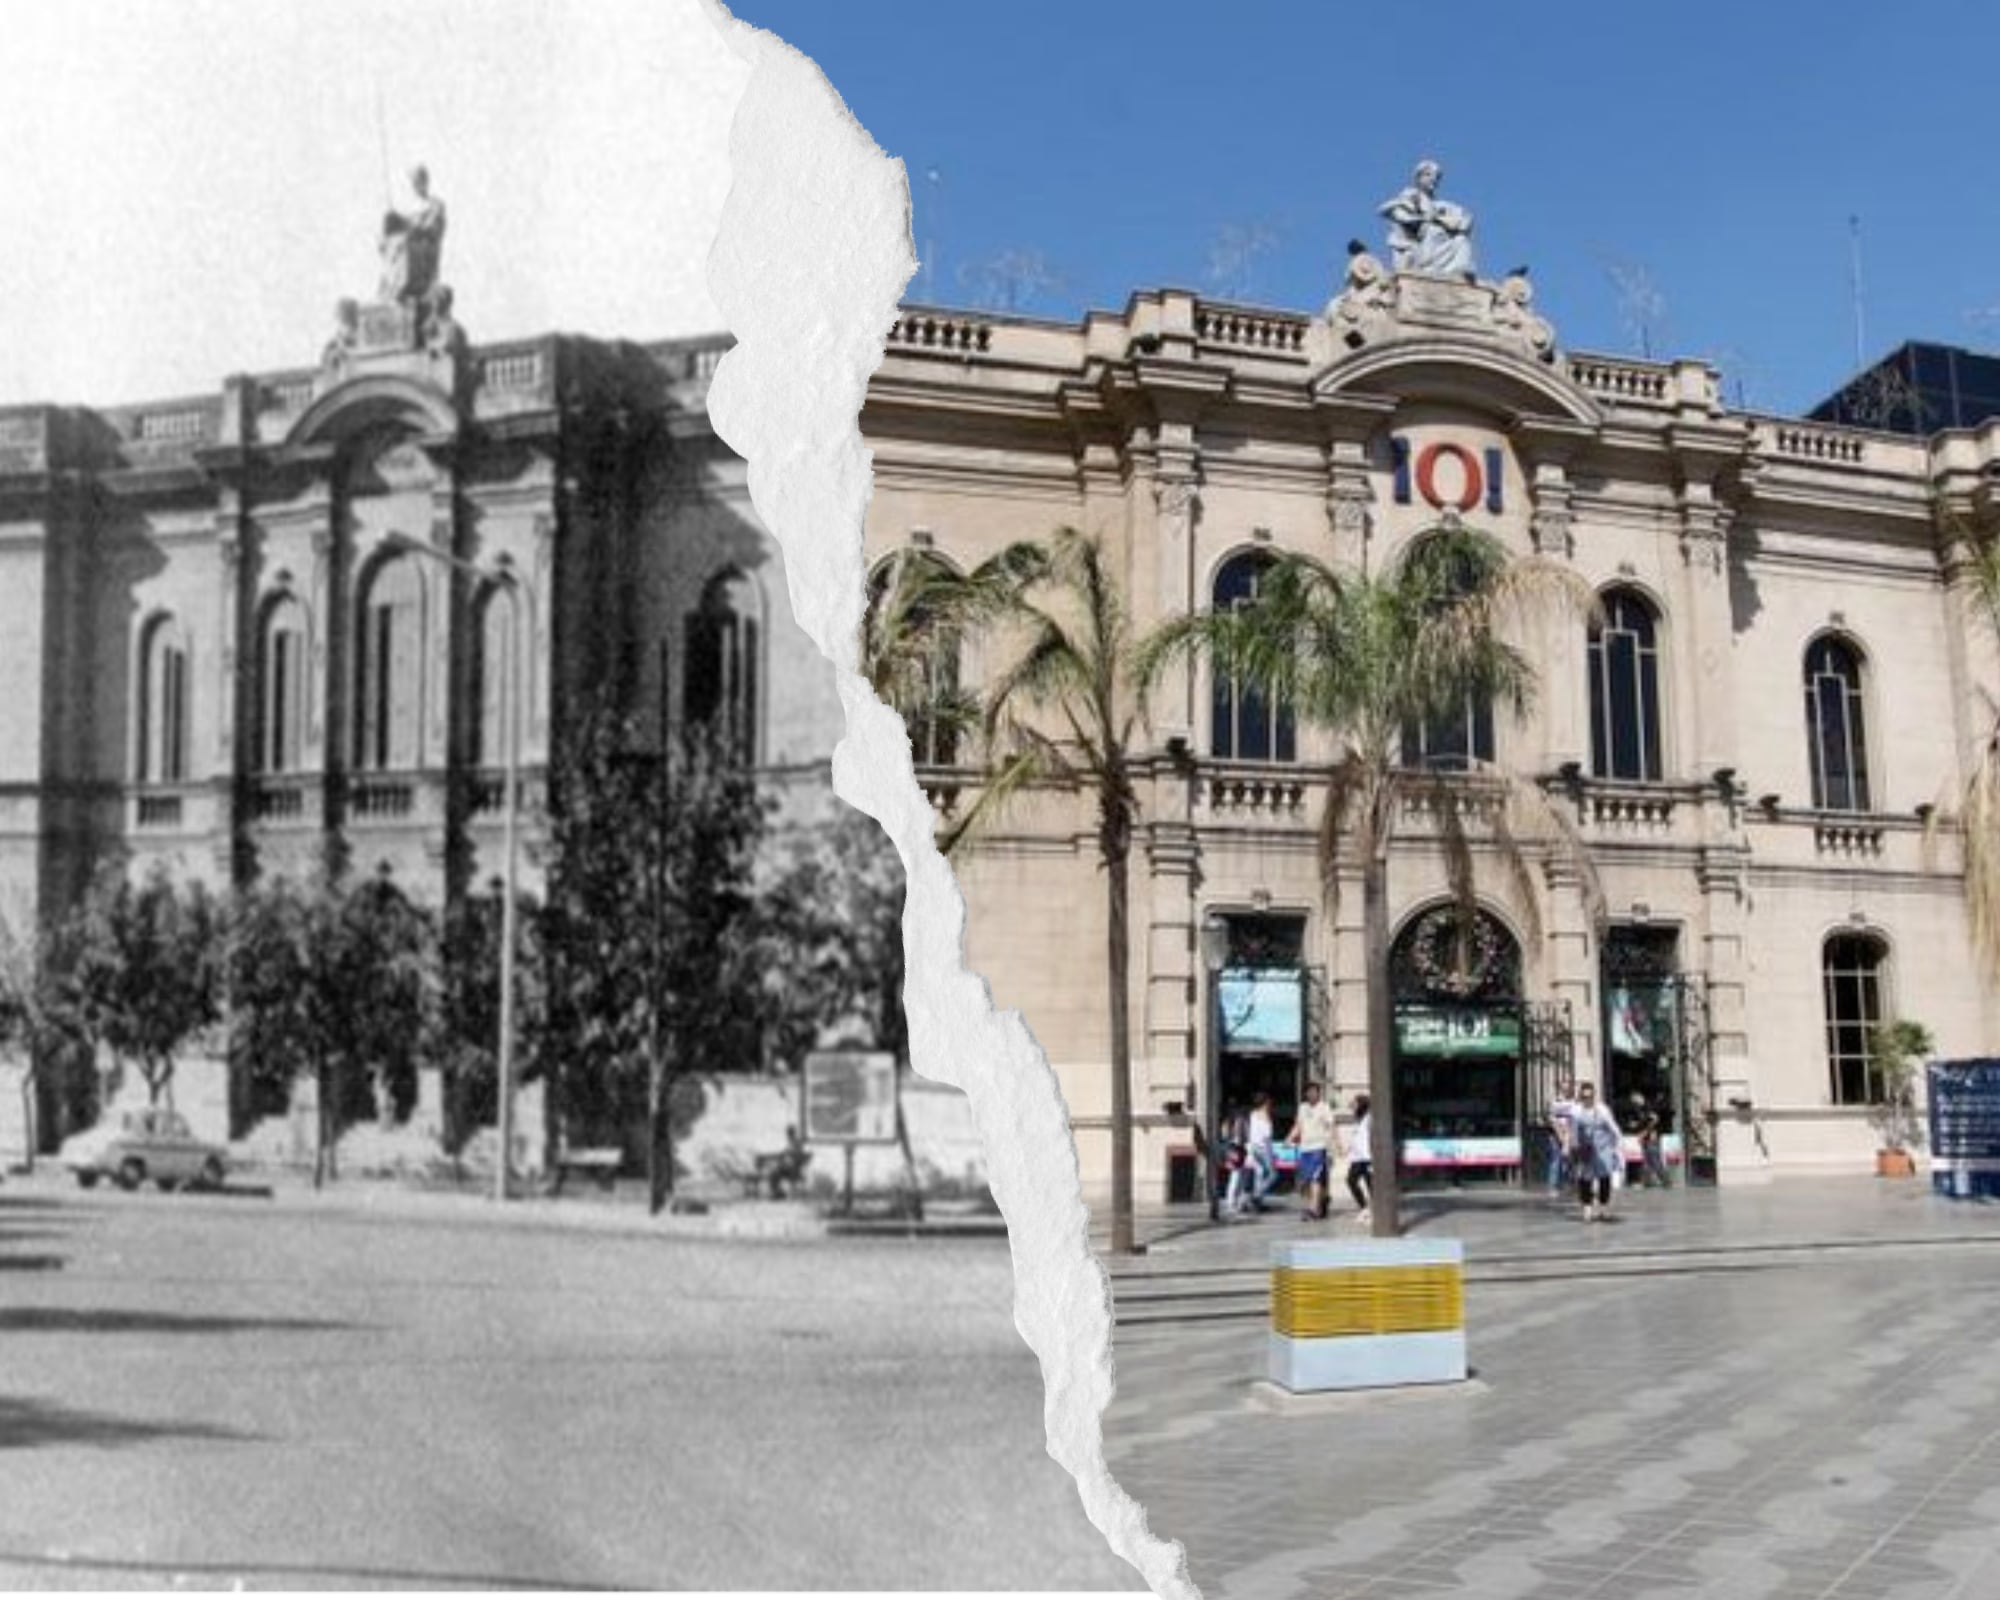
(154, 1143)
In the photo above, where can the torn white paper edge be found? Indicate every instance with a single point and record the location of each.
(811, 257)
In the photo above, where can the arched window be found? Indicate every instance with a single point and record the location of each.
(720, 683)
(1461, 736)
(923, 655)
(1833, 726)
(492, 665)
(1851, 974)
(1625, 689)
(281, 687)
(1244, 726)
(163, 703)
(389, 684)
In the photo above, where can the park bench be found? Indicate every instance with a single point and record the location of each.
(776, 1172)
(601, 1165)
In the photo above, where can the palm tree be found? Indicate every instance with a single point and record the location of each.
(1976, 806)
(1365, 656)
(1062, 713)
(919, 611)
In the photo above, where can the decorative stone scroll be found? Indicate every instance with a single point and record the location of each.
(1375, 306)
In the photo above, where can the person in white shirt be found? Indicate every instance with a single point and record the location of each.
(1596, 1150)
(1313, 1134)
(1360, 1166)
(1259, 1157)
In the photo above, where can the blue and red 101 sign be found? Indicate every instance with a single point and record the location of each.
(1443, 474)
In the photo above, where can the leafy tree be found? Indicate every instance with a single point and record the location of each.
(646, 939)
(143, 968)
(1362, 656)
(41, 1015)
(331, 981)
(464, 1038)
(829, 935)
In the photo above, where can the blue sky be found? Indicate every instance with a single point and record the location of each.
(1706, 157)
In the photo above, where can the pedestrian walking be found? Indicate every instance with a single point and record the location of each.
(1644, 1124)
(1596, 1150)
(1312, 1132)
(1259, 1157)
(1360, 1160)
(1234, 1158)
(1559, 1141)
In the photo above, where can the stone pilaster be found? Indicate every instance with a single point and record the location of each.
(441, 626)
(1569, 957)
(235, 677)
(1168, 1037)
(1707, 676)
(1176, 509)
(1350, 504)
(320, 747)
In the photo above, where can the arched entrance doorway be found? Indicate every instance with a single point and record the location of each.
(1463, 1038)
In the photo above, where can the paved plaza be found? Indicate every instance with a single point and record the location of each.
(1686, 1403)
(207, 1391)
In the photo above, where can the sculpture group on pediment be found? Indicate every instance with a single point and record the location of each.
(413, 245)
(412, 310)
(1430, 287)
(1427, 234)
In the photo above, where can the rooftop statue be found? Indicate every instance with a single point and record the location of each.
(1427, 234)
(413, 245)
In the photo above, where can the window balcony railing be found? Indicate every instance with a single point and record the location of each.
(279, 800)
(489, 793)
(158, 810)
(381, 799)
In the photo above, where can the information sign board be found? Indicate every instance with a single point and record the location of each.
(1965, 1128)
(1457, 1031)
(850, 1097)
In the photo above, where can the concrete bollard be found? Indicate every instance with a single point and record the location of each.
(1367, 1314)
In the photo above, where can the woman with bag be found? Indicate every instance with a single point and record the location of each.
(1596, 1150)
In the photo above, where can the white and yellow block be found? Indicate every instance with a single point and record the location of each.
(1367, 1314)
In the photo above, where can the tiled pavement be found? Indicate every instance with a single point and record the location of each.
(1826, 1427)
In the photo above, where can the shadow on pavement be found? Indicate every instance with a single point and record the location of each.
(32, 1263)
(59, 1319)
(376, 1577)
(26, 1424)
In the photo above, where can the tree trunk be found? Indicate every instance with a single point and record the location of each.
(320, 1142)
(1385, 1199)
(1119, 953)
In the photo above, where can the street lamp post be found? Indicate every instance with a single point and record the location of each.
(504, 573)
(1214, 957)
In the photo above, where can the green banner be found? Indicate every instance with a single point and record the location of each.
(1457, 1031)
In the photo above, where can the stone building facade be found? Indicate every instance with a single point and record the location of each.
(228, 637)
(1747, 743)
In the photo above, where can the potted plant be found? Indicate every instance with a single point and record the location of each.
(1895, 1050)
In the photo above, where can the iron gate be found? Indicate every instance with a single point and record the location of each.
(1548, 1059)
(1692, 1073)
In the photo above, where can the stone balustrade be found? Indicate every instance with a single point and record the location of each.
(154, 811)
(1851, 839)
(512, 372)
(381, 799)
(278, 800)
(952, 335)
(1630, 810)
(1832, 446)
(1623, 383)
(182, 425)
(1248, 795)
(1272, 333)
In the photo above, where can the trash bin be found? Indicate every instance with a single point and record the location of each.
(1183, 1177)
